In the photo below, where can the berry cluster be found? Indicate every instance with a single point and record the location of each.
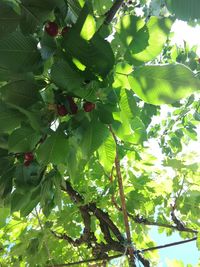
(52, 29)
(71, 108)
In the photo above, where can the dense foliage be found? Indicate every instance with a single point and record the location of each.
(82, 122)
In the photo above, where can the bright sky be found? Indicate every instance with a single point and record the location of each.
(184, 32)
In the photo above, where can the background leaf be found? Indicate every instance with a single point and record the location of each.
(163, 84)
(19, 53)
(184, 9)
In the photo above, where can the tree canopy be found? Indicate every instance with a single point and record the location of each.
(89, 159)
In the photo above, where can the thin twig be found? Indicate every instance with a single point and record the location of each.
(123, 202)
(169, 245)
(112, 12)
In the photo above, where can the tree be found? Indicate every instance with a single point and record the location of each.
(81, 83)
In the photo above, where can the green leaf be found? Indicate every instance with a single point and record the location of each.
(9, 19)
(127, 29)
(65, 77)
(4, 214)
(27, 177)
(95, 55)
(107, 153)
(139, 131)
(163, 84)
(89, 27)
(6, 178)
(54, 149)
(23, 139)
(35, 12)
(154, 36)
(184, 9)
(142, 43)
(93, 135)
(101, 6)
(20, 93)
(9, 118)
(19, 200)
(19, 53)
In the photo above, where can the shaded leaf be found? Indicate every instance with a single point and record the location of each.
(163, 84)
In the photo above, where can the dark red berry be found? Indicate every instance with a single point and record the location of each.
(28, 156)
(65, 30)
(73, 106)
(62, 111)
(51, 28)
(88, 106)
(27, 163)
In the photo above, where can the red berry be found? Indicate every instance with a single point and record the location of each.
(88, 106)
(51, 28)
(72, 105)
(62, 111)
(28, 156)
(27, 163)
(65, 30)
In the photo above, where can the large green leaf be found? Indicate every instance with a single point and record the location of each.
(127, 29)
(54, 149)
(93, 135)
(96, 55)
(184, 9)
(9, 118)
(142, 42)
(20, 93)
(88, 47)
(23, 139)
(19, 53)
(19, 200)
(107, 153)
(65, 77)
(9, 19)
(149, 41)
(35, 12)
(163, 84)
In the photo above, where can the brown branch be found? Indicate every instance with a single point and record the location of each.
(112, 12)
(87, 261)
(141, 220)
(123, 202)
(144, 262)
(169, 245)
(101, 215)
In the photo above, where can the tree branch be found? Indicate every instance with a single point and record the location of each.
(87, 261)
(169, 245)
(123, 202)
(112, 12)
(144, 262)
